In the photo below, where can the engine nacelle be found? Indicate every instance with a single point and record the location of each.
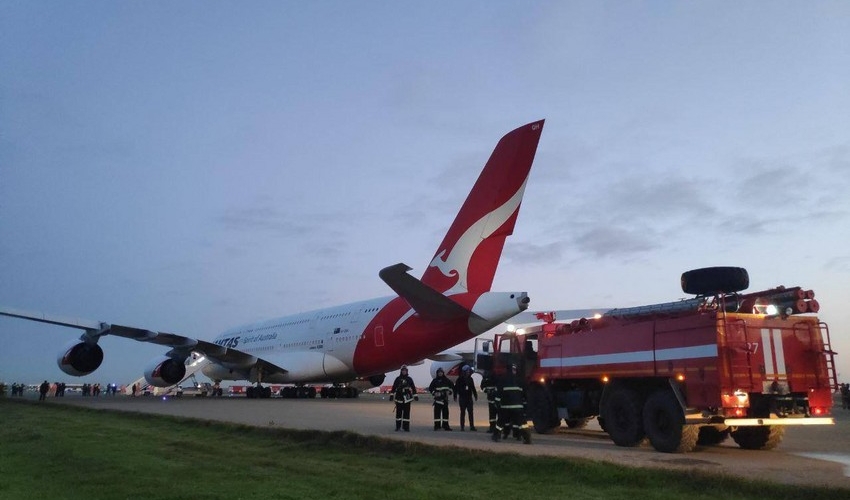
(80, 358)
(363, 384)
(377, 380)
(216, 371)
(451, 368)
(165, 372)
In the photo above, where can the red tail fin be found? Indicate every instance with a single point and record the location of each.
(467, 258)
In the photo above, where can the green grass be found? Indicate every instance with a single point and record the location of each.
(50, 451)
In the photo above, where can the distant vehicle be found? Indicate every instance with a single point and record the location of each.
(202, 389)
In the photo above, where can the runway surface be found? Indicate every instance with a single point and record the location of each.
(816, 455)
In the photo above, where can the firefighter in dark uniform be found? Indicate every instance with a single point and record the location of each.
(488, 385)
(465, 390)
(403, 392)
(441, 388)
(510, 398)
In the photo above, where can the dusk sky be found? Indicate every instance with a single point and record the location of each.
(192, 166)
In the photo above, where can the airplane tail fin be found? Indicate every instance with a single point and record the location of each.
(467, 258)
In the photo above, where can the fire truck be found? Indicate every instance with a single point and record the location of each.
(682, 374)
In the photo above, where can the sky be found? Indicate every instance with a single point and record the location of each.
(192, 166)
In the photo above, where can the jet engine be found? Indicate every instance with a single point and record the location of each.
(80, 358)
(451, 368)
(362, 384)
(165, 372)
(216, 371)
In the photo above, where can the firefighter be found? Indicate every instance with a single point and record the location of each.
(441, 388)
(510, 399)
(488, 385)
(403, 392)
(845, 396)
(465, 390)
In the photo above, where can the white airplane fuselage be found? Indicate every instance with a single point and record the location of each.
(354, 340)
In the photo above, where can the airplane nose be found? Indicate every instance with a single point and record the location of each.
(523, 301)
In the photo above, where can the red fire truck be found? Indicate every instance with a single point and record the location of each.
(681, 374)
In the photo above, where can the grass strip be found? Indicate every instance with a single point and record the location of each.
(50, 451)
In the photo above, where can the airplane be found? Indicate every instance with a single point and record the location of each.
(450, 304)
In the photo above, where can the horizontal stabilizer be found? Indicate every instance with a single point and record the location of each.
(531, 317)
(427, 302)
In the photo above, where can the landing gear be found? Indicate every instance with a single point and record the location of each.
(339, 391)
(258, 392)
(298, 392)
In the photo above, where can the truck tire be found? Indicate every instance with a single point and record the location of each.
(541, 409)
(714, 280)
(664, 424)
(762, 437)
(710, 435)
(623, 417)
(577, 423)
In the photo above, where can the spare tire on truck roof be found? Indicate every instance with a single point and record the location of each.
(714, 280)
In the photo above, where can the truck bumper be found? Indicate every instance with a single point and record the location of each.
(752, 422)
(749, 422)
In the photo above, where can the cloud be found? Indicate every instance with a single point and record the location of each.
(614, 241)
(266, 219)
(534, 255)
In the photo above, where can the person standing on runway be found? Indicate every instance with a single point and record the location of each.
(465, 391)
(441, 388)
(403, 392)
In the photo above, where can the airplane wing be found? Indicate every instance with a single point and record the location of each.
(180, 344)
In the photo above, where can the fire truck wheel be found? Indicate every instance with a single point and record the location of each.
(712, 436)
(623, 418)
(541, 409)
(577, 423)
(763, 437)
(713, 280)
(664, 423)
